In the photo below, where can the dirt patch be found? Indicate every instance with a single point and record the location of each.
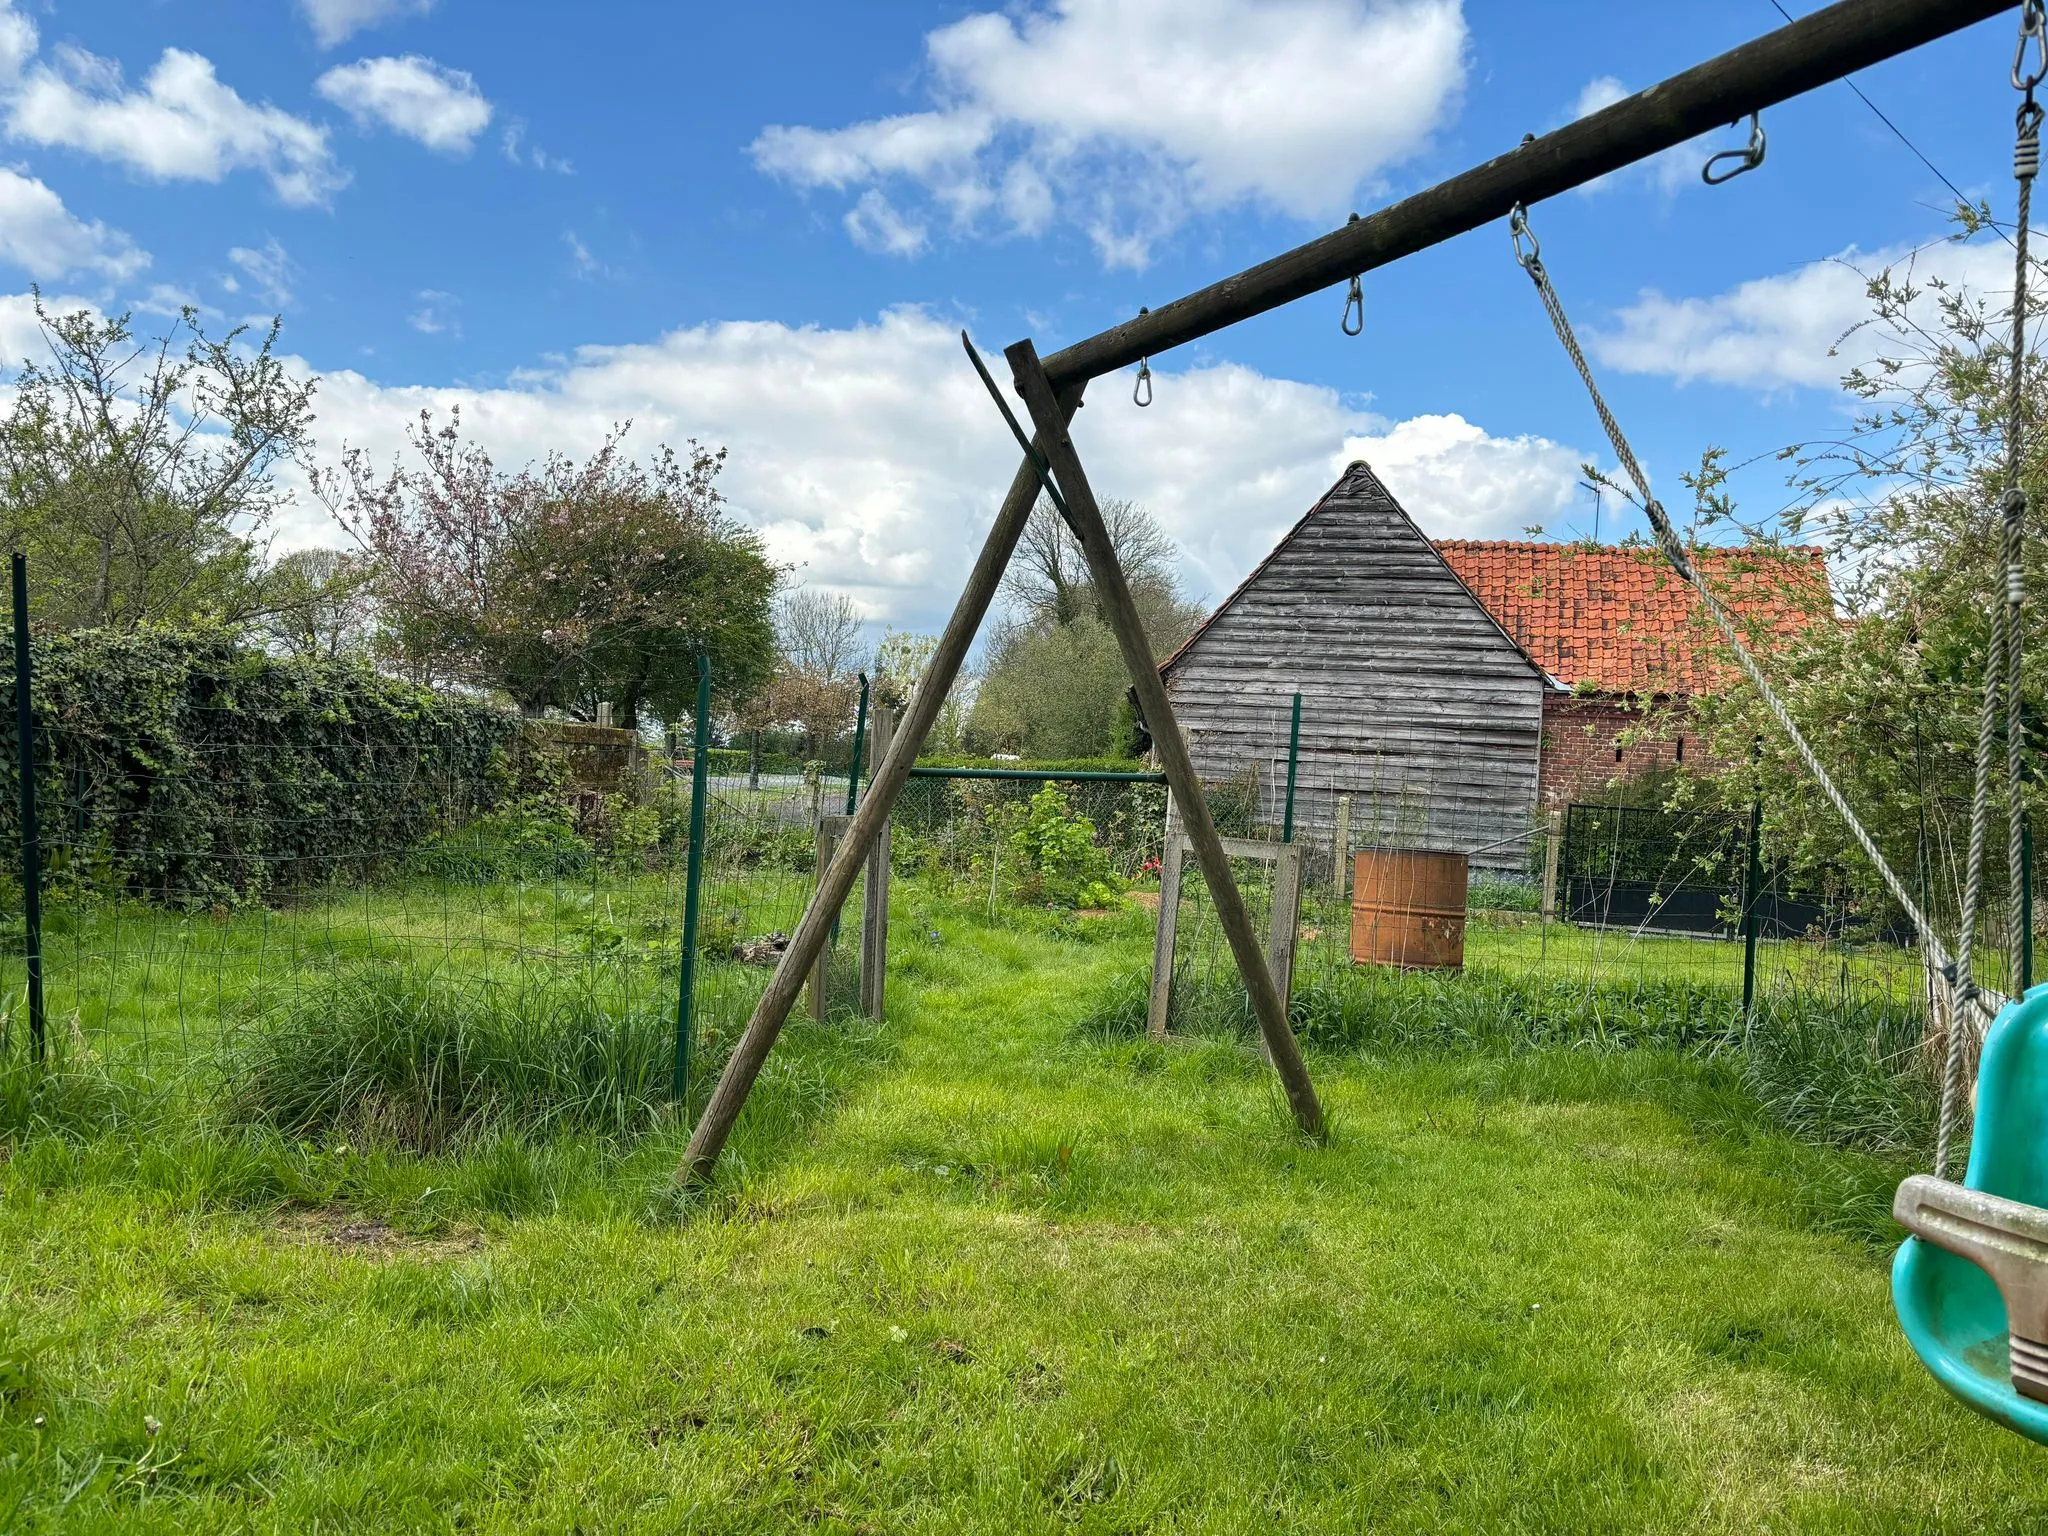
(1149, 900)
(346, 1231)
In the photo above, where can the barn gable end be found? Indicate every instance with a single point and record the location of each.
(1414, 701)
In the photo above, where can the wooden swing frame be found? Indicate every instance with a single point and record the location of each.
(1799, 57)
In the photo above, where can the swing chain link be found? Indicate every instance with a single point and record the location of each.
(1141, 392)
(1354, 300)
(2033, 29)
(1746, 159)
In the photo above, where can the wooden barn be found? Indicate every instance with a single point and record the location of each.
(1415, 702)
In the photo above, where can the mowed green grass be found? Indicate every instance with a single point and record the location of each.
(983, 1272)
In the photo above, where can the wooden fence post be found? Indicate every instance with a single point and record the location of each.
(1553, 847)
(830, 830)
(1340, 849)
(1286, 918)
(1161, 1000)
(874, 918)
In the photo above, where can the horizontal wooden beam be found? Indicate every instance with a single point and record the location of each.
(1810, 52)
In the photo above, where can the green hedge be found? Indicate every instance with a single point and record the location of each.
(188, 768)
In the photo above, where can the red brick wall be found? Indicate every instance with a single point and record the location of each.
(1580, 759)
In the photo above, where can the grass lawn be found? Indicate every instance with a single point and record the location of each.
(980, 1271)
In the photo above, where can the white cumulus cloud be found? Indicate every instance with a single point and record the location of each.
(335, 21)
(1128, 117)
(1797, 328)
(414, 96)
(182, 124)
(46, 240)
(872, 458)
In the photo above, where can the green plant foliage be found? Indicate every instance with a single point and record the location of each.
(186, 767)
(1055, 860)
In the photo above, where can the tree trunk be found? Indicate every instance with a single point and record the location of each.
(754, 758)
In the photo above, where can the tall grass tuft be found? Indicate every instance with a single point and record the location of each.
(400, 1056)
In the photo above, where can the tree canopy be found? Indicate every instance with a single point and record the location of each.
(564, 584)
(1054, 682)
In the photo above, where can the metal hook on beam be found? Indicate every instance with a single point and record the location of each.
(1747, 158)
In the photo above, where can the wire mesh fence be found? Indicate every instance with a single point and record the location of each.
(244, 863)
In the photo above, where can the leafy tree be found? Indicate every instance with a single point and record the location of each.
(1054, 684)
(138, 475)
(817, 679)
(564, 584)
(319, 605)
(1906, 502)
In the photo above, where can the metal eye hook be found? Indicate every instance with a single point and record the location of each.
(1519, 232)
(2033, 27)
(1748, 158)
(1141, 392)
(1354, 300)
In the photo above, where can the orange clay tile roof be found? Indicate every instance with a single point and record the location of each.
(1619, 620)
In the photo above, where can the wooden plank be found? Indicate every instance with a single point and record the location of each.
(1340, 849)
(1801, 56)
(874, 923)
(1160, 1003)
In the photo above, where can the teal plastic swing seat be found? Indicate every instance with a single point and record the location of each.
(1978, 1322)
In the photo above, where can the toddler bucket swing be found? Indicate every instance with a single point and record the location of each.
(1970, 1285)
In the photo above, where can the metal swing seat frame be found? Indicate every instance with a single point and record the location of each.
(1980, 1253)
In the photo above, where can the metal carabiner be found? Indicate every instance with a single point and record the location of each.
(1518, 231)
(1354, 300)
(1747, 158)
(1141, 392)
(2033, 25)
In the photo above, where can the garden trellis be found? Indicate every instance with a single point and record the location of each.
(1797, 58)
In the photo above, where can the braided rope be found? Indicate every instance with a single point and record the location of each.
(2001, 652)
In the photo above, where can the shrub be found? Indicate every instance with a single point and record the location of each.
(1054, 857)
(533, 838)
(396, 1055)
(197, 771)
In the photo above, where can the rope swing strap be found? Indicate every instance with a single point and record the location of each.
(1529, 253)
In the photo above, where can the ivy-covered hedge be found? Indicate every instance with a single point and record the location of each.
(189, 768)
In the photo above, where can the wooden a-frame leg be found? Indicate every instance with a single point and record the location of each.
(1114, 594)
(815, 927)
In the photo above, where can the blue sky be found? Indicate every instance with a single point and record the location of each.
(761, 226)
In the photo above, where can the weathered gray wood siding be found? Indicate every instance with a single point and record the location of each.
(1413, 701)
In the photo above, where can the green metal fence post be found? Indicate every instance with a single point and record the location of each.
(1752, 897)
(1293, 756)
(693, 881)
(31, 832)
(860, 736)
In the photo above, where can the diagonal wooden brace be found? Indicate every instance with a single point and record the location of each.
(1115, 596)
(814, 929)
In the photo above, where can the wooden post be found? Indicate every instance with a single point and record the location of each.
(830, 830)
(1160, 1002)
(1553, 851)
(874, 919)
(814, 927)
(1340, 849)
(1115, 596)
(1821, 46)
(1286, 918)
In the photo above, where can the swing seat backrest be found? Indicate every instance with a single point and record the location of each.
(1971, 1284)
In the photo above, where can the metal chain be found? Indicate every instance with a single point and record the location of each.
(1529, 253)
